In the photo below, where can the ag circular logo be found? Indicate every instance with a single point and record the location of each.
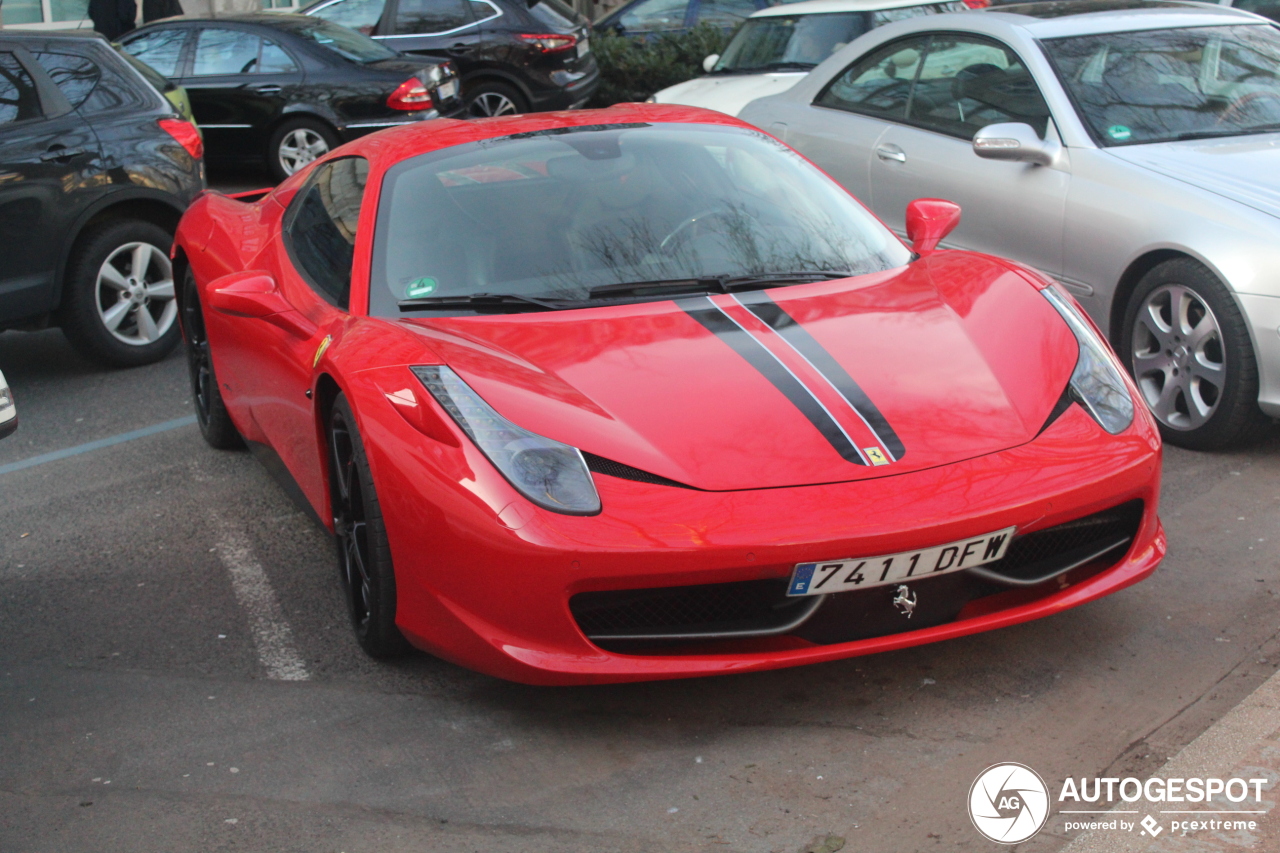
(1008, 803)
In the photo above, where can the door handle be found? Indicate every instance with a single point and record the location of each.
(891, 152)
(457, 49)
(60, 152)
(266, 89)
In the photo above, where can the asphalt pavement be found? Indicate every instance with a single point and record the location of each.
(177, 673)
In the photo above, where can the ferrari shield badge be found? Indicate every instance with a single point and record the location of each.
(876, 455)
(905, 600)
(324, 345)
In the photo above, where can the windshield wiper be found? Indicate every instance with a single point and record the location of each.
(481, 300)
(1234, 131)
(775, 66)
(714, 284)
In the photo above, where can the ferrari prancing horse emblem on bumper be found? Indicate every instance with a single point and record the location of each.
(905, 600)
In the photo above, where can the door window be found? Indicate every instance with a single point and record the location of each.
(360, 15)
(655, 16)
(432, 16)
(320, 229)
(18, 98)
(89, 86)
(274, 60)
(967, 83)
(724, 13)
(879, 84)
(161, 49)
(225, 52)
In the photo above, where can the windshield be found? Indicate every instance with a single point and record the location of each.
(554, 214)
(804, 40)
(1164, 85)
(343, 41)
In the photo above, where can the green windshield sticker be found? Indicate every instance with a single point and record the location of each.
(420, 287)
(1119, 132)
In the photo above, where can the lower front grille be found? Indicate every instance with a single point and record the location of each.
(1036, 557)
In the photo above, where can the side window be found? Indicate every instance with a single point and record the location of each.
(161, 49)
(483, 10)
(321, 226)
(225, 52)
(655, 16)
(968, 83)
(878, 84)
(432, 16)
(724, 13)
(275, 60)
(18, 98)
(359, 15)
(76, 76)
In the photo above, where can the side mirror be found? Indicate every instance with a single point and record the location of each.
(254, 294)
(710, 62)
(928, 221)
(8, 411)
(1015, 141)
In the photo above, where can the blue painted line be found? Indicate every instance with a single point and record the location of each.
(97, 445)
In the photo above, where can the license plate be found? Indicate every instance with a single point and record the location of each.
(863, 572)
(448, 90)
(584, 47)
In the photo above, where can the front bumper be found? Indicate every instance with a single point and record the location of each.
(484, 578)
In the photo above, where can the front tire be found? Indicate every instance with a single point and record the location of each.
(364, 554)
(211, 413)
(296, 144)
(1187, 346)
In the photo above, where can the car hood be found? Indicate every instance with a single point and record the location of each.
(1242, 168)
(956, 356)
(728, 93)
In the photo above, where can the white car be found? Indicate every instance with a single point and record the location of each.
(8, 413)
(777, 46)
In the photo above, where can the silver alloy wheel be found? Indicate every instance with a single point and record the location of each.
(135, 293)
(1179, 360)
(299, 147)
(490, 104)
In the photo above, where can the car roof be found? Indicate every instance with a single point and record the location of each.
(1058, 18)
(33, 35)
(819, 7)
(275, 20)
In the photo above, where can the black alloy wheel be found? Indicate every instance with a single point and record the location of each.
(211, 414)
(364, 555)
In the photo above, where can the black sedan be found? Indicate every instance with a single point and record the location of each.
(287, 88)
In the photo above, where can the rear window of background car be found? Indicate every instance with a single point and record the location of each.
(320, 227)
(18, 98)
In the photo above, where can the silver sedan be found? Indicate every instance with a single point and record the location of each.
(1130, 151)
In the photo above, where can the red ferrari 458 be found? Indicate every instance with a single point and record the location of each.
(640, 393)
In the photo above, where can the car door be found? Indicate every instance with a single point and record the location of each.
(441, 29)
(965, 83)
(50, 171)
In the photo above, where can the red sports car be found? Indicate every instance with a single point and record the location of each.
(640, 393)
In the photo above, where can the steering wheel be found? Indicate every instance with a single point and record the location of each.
(1237, 106)
(716, 212)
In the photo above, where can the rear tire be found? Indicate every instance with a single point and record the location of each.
(211, 413)
(1187, 346)
(296, 144)
(364, 554)
(492, 99)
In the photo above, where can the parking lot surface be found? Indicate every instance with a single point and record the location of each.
(177, 673)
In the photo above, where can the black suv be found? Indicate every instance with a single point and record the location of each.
(514, 56)
(96, 167)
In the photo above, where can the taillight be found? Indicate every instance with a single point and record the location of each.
(185, 134)
(977, 4)
(550, 43)
(412, 94)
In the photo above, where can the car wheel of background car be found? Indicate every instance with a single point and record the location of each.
(487, 100)
(364, 555)
(296, 143)
(118, 301)
(1188, 348)
(211, 413)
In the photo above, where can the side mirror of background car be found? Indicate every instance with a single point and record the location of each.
(254, 294)
(710, 62)
(8, 412)
(928, 221)
(1016, 141)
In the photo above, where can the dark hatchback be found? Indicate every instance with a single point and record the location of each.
(515, 56)
(285, 89)
(96, 167)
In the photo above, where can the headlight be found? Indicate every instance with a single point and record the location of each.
(1097, 382)
(551, 474)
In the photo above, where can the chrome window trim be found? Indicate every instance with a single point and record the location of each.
(497, 13)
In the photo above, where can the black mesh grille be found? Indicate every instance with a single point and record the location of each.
(1046, 551)
(600, 465)
(692, 608)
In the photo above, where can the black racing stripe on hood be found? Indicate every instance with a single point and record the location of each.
(754, 353)
(776, 317)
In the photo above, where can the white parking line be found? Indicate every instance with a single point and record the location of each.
(271, 633)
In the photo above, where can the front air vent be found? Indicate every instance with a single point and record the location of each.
(609, 468)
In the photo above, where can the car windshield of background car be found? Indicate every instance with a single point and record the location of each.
(1166, 85)
(790, 42)
(345, 42)
(614, 204)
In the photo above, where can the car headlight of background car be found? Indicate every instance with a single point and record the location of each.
(551, 474)
(1096, 383)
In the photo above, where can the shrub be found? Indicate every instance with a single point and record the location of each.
(632, 69)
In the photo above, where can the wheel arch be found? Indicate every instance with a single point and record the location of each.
(494, 75)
